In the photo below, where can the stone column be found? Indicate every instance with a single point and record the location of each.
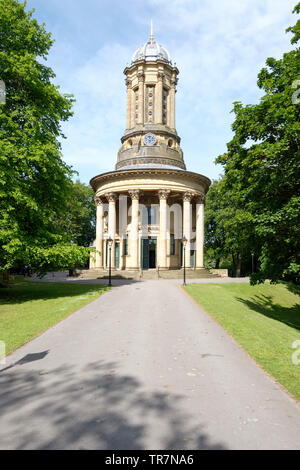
(172, 102)
(158, 98)
(92, 260)
(140, 235)
(141, 78)
(133, 110)
(99, 231)
(169, 109)
(200, 202)
(134, 232)
(187, 225)
(129, 104)
(111, 197)
(121, 265)
(162, 248)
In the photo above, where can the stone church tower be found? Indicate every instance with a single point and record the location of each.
(150, 202)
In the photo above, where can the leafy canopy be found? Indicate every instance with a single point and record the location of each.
(79, 222)
(262, 167)
(35, 183)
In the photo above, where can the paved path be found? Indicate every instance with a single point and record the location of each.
(142, 367)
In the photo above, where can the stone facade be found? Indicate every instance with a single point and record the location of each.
(150, 202)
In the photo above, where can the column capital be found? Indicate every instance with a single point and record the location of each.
(160, 76)
(200, 199)
(128, 83)
(98, 201)
(174, 81)
(111, 197)
(163, 193)
(141, 76)
(134, 194)
(188, 196)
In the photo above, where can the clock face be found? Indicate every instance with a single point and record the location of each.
(149, 139)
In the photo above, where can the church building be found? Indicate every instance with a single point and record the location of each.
(150, 204)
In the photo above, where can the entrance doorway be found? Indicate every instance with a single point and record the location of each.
(149, 253)
(192, 257)
(117, 255)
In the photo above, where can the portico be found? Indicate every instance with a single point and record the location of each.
(158, 206)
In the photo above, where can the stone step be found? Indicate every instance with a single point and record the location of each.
(146, 274)
(190, 274)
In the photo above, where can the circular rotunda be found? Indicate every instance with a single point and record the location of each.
(149, 203)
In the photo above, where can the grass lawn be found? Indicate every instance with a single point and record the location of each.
(29, 308)
(263, 319)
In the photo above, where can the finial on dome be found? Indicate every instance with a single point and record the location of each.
(151, 33)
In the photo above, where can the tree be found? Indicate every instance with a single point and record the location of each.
(35, 183)
(214, 225)
(262, 167)
(228, 227)
(80, 220)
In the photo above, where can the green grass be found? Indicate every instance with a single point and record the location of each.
(29, 308)
(263, 319)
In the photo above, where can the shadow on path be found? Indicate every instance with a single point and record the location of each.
(91, 408)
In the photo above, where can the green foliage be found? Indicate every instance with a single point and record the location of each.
(262, 171)
(79, 222)
(35, 183)
(56, 257)
(295, 29)
(228, 228)
(214, 226)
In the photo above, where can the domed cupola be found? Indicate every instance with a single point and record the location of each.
(151, 51)
(151, 137)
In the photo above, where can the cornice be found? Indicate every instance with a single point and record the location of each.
(155, 128)
(124, 174)
(138, 63)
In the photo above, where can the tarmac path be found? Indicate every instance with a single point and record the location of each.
(142, 367)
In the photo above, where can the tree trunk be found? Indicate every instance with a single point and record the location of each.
(238, 265)
(217, 263)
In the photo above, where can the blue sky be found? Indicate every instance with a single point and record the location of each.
(219, 47)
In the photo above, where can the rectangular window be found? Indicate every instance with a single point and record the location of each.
(165, 105)
(126, 246)
(172, 248)
(151, 215)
